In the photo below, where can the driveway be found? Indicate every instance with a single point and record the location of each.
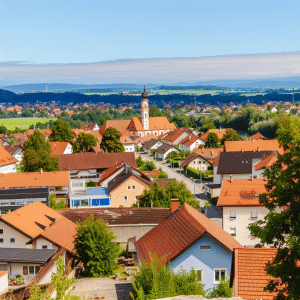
(102, 287)
(195, 188)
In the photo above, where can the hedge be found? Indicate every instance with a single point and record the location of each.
(196, 174)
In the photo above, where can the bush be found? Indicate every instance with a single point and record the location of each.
(91, 184)
(139, 162)
(155, 281)
(163, 175)
(54, 204)
(223, 290)
(214, 200)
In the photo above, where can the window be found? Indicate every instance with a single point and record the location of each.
(33, 270)
(12, 240)
(1, 241)
(1, 231)
(233, 231)
(205, 248)
(125, 198)
(254, 214)
(44, 247)
(198, 274)
(220, 274)
(232, 214)
(129, 187)
(133, 187)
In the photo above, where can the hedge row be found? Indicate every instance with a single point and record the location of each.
(196, 174)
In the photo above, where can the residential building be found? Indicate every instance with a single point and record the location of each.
(249, 276)
(176, 136)
(193, 242)
(59, 148)
(15, 151)
(151, 144)
(162, 151)
(8, 164)
(257, 136)
(239, 200)
(45, 132)
(90, 127)
(89, 165)
(190, 142)
(128, 143)
(219, 132)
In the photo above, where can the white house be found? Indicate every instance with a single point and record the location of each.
(162, 152)
(128, 143)
(8, 164)
(190, 143)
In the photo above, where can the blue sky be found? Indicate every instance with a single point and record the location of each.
(72, 31)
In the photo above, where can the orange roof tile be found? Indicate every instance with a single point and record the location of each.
(155, 123)
(189, 140)
(241, 192)
(250, 275)
(176, 234)
(127, 140)
(220, 133)
(35, 179)
(24, 219)
(120, 125)
(2, 273)
(266, 162)
(257, 136)
(153, 173)
(6, 158)
(172, 136)
(257, 145)
(110, 171)
(45, 132)
(58, 148)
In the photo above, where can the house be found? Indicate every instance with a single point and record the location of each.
(125, 222)
(193, 242)
(257, 136)
(151, 144)
(128, 143)
(8, 164)
(89, 165)
(15, 151)
(110, 173)
(45, 132)
(144, 125)
(202, 159)
(162, 152)
(242, 165)
(190, 143)
(35, 227)
(212, 190)
(175, 137)
(239, 200)
(59, 148)
(151, 174)
(125, 188)
(90, 127)
(219, 132)
(249, 276)
(253, 145)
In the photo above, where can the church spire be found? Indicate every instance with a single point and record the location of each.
(145, 109)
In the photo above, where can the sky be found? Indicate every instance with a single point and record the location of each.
(87, 33)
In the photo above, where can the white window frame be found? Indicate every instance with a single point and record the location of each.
(133, 187)
(254, 213)
(197, 274)
(232, 214)
(219, 270)
(125, 198)
(233, 231)
(129, 187)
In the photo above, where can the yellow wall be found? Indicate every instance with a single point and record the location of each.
(118, 194)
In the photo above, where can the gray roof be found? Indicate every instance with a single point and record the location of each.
(239, 162)
(149, 144)
(18, 255)
(165, 148)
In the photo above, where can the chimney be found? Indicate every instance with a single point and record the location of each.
(220, 129)
(174, 205)
(258, 149)
(242, 150)
(253, 140)
(41, 171)
(231, 178)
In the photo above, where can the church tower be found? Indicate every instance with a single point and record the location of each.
(145, 110)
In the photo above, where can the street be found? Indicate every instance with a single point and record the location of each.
(195, 188)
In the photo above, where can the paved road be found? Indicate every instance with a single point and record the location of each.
(102, 287)
(194, 188)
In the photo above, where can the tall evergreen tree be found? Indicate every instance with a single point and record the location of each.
(37, 155)
(212, 141)
(111, 141)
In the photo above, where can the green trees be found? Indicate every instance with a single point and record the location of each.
(161, 196)
(148, 166)
(230, 135)
(53, 202)
(3, 129)
(62, 132)
(281, 226)
(212, 140)
(95, 247)
(155, 112)
(111, 141)
(37, 155)
(84, 142)
(139, 162)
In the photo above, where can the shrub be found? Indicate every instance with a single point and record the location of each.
(223, 290)
(91, 184)
(163, 175)
(139, 162)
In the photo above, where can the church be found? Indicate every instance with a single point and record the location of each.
(141, 126)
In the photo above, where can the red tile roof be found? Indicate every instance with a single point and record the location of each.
(58, 148)
(176, 234)
(45, 132)
(90, 160)
(155, 123)
(88, 126)
(120, 125)
(110, 171)
(257, 136)
(189, 140)
(220, 133)
(172, 136)
(241, 192)
(257, 145)
(250, 275)
(6, 158)
(266, 162)
(151, 174)
(34, 179)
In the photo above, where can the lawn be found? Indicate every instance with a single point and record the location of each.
(23, 123)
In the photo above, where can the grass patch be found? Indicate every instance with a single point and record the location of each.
(23, 123)
(121, 272)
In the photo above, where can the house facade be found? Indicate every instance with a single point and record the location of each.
(8, 164)
(190, 143)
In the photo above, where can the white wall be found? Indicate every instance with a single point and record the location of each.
(8, 169)
(40, 242)
(8, 233)
(4, 284)
(69, 149)
(129, 147)
(105, 182)
(17, 269)
(199, 164)
(217, 177)
(242, 221)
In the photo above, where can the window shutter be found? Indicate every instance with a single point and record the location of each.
(25, 270)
